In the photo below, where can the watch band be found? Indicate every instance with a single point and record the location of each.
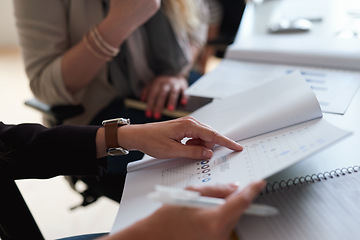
(111, 138)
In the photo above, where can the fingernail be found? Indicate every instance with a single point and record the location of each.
(171, 107)
(148, 114)
(263, 184)
(157, 116)
(234, 184)
(238, 146)
(183, 101)
(207, 153)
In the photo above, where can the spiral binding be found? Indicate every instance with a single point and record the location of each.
(308, 179)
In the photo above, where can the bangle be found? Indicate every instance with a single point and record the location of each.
(102, 44)
(93, 51)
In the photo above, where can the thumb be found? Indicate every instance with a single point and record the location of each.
(236, 204)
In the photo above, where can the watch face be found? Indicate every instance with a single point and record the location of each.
(117, 151)
(119, 121)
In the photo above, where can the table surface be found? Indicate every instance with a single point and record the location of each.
(346, 152)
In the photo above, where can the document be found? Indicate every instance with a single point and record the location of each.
(334, 89)
(278, 124)
(273, 105)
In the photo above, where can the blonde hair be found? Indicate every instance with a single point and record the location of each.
(184, 13)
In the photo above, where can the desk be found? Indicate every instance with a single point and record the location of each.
(337, 15)
(332, 42)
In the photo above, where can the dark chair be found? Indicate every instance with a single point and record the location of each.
(56, 115)
(16, 220)
(233, 12)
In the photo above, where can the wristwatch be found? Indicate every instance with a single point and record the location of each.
(111, 138)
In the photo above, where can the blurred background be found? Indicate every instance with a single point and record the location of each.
(49, 200)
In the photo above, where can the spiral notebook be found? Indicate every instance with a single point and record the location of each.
(321, 206)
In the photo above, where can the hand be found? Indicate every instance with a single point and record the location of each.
(164, 91)
(172, 222)
(163, 139)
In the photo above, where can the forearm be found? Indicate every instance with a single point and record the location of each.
(84, 61)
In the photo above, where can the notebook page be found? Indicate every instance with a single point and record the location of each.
(262, 156)
(276, 104)
(328, 209)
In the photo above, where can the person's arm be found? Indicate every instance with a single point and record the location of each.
(163, 139)
(34, 151)
(167, 91)
(171, 222)
(80, 65)
(57, 69)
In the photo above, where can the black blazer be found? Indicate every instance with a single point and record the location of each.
(34, 151)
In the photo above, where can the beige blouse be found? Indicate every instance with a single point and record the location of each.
(47, 29)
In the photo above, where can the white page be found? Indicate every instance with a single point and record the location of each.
(262, 156)
(322, 210)
(276, 104)
(312, 51)
(231, 77)
(334, 89)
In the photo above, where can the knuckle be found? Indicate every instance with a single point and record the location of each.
(174, 91)
(166, 87)
(190, 121)
(213, 134)
(245, 200)
(163, 94)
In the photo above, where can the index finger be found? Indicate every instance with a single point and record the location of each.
(227, 142)
(210, 135)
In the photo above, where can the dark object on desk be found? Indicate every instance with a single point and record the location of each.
(290, 26)
(181, 111)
